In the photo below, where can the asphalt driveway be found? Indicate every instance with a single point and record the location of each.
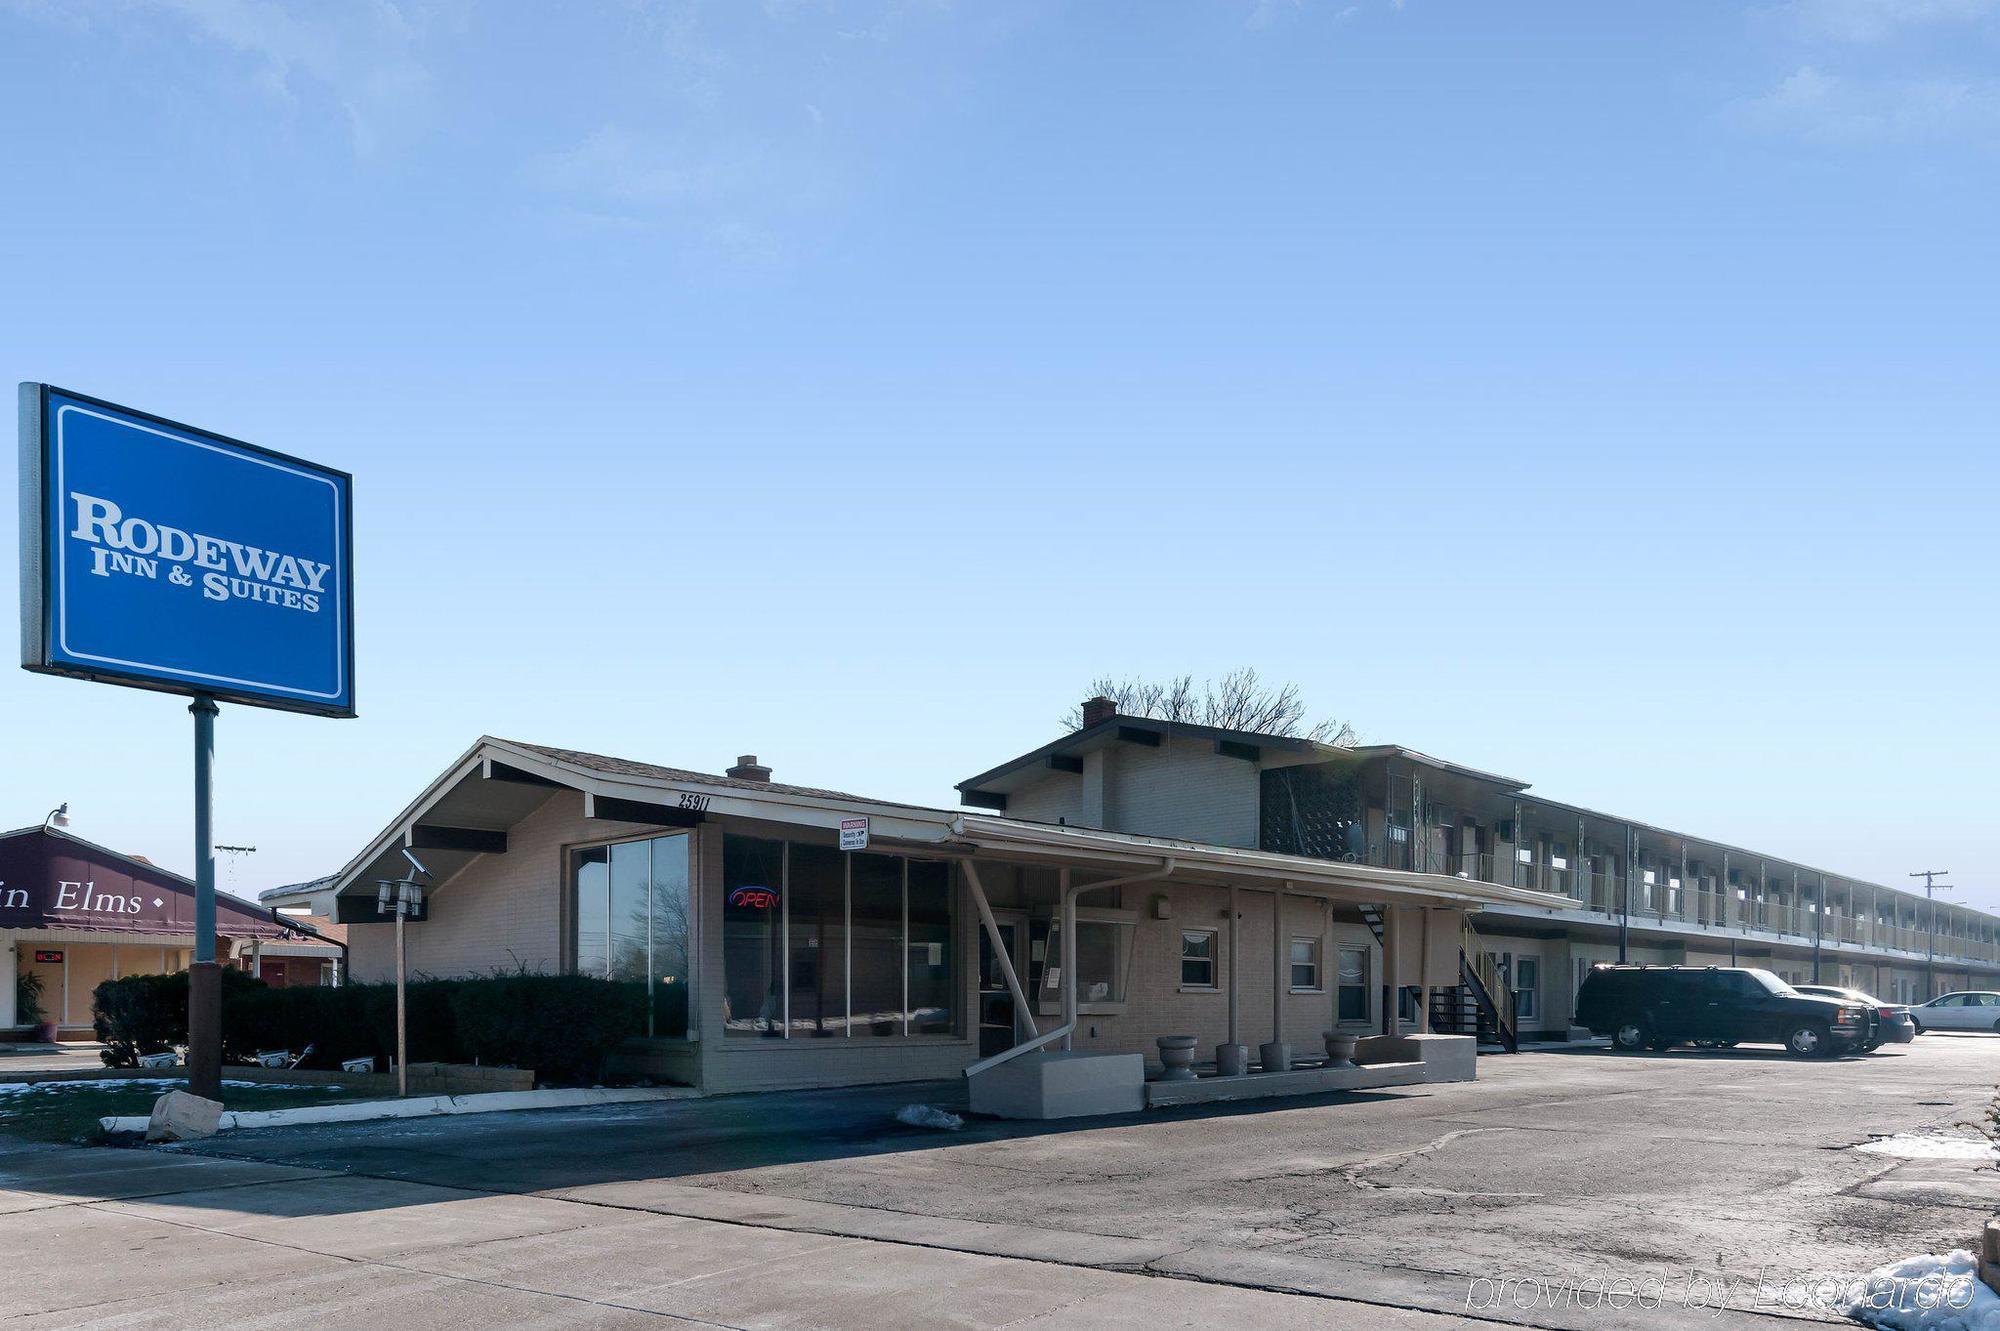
(1722, 1181)
(1729, 1166)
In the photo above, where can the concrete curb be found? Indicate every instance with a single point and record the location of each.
(420, 1106)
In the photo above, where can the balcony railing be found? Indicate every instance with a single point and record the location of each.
(1689, 903)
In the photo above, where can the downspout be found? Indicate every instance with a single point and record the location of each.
(1069, 896)
(1235, 937)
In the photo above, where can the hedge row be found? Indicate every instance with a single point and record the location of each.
(562, 1026)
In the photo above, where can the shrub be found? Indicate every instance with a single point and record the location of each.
(562, 1026)
(28, 991)
(148, 1014)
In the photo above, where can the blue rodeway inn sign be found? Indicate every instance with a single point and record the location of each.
(166, 557)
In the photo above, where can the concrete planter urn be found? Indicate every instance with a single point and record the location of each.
(1176, 1057)
(1232, 1060)
(1275, 1056)
(1339, 1050)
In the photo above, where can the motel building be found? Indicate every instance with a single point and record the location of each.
(1283, 915)
(74, 914)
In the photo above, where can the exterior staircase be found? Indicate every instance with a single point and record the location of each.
(1479, 1004)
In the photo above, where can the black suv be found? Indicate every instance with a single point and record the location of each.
(1652, 1007)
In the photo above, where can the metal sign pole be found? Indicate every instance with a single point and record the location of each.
(402, 1017)
(204, 978)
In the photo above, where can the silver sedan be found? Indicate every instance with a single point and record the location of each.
(1973, 1010)
(1893, 1023)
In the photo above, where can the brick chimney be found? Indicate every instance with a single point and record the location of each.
(749, 769)
(1098, 710)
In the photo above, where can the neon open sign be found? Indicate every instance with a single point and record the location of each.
(753, 898)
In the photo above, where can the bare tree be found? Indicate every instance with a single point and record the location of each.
(1238, 701)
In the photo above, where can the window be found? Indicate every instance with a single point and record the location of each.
(929, 995)
(1305, 964)
(753, 936)
(591, 892)
(629, 921)
(1198, 951)
(878, 944)
(670, 991)
(821, 943)
(1353, 984)
(1527, 980)
(815, 917)
(1104, 955)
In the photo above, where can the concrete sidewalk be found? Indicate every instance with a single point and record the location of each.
(170, 1239)
(49, 1058)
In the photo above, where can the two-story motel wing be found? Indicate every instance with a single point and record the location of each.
(1256, 895)
(1631, 890)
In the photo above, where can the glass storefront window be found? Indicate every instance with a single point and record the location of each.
(593, 910)
(671, 944)
(631, 909)
(878, 945)
(816, 939)
(630, 922)
(932, 993)
(753, 874)
(853, 944)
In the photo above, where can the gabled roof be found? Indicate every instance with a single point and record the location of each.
(445, 824)
(1441, 764)
(290, 890)
(598, 762)
(1009, 774)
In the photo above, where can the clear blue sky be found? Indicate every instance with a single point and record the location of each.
(1601, 394)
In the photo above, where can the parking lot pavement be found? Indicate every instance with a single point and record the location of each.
(1706, 1177)
(105, 1237)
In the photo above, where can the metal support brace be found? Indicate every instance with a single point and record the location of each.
(1021, 1004)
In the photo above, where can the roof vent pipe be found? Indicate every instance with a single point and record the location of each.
(749, 769)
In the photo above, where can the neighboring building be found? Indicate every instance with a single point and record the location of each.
(773, 957)
(76, 914)
(1629, 889)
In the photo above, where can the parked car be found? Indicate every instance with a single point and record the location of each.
(1891, 1023)
(1654, 1007)
(1970, 1010)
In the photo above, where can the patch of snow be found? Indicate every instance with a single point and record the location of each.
(1926, 1293)
(150, 1084)
(1931, 1146)
(928, 1116)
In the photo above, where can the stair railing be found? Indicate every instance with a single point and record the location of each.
(1482, 974)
